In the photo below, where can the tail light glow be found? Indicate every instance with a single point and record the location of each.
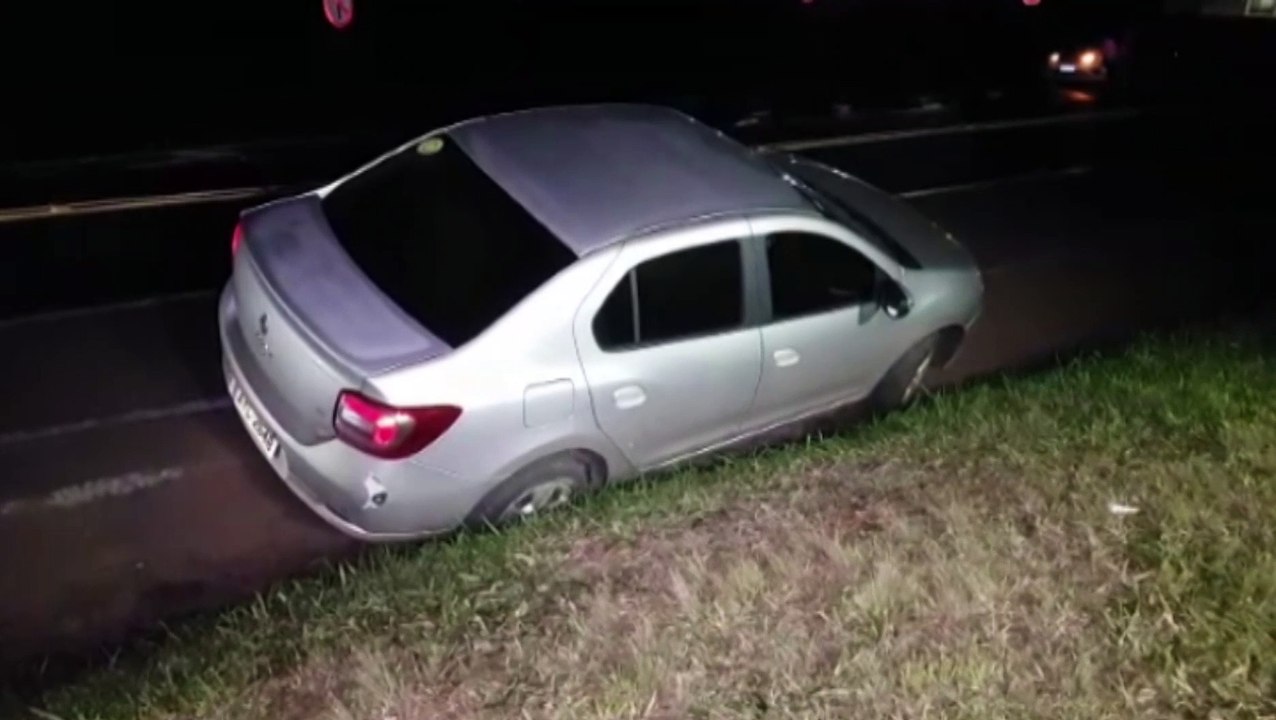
(386, 431)
(236, 239)
(1089, 59)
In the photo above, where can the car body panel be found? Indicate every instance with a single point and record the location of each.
(489, 378)
(332, 478)
(295, 378)
(668, 400)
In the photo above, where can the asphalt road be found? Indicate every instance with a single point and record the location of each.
(130, 493)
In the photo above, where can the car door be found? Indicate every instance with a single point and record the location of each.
(826, 340)
(669, 344)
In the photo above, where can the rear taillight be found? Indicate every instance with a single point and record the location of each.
(236, 239)
(386, 431)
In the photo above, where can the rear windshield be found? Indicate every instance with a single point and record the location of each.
(442, 239)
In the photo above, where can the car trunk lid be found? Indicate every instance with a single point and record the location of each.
(311, 321)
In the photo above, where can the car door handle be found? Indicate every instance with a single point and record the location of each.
(629, 397)
(786, 357)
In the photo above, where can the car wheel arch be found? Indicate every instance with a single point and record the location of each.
(603, 466)
(595, 463)
(948, 341)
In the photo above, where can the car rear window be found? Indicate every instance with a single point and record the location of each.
(442, 239)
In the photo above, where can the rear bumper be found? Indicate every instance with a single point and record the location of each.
(337, 482)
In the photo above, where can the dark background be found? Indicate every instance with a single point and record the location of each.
(112, 77)
(140, 100)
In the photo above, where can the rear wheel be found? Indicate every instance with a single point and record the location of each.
(906, 380)
(539, 488)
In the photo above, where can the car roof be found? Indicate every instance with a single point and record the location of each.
(598, 174)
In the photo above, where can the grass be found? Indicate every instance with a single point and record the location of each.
(958, 560)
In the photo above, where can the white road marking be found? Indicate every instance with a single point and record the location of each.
(994, 182)
(193, 407)
(95, 490)
(164, 158)
(88, 310)
(93, 207)
(958, 129)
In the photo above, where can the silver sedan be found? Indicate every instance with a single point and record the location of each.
(515, 309)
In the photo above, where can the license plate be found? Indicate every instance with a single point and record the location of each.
(265, 438)
(1067, 68)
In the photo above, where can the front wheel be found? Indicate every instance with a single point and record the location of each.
(906, 380)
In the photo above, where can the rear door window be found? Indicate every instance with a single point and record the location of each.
(442, 239)
(689, 293)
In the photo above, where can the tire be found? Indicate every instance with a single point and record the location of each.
(541, 487)
(906, 379)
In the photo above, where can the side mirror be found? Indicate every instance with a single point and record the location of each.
(893, 299)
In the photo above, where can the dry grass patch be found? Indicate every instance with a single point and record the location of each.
(858, 596)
